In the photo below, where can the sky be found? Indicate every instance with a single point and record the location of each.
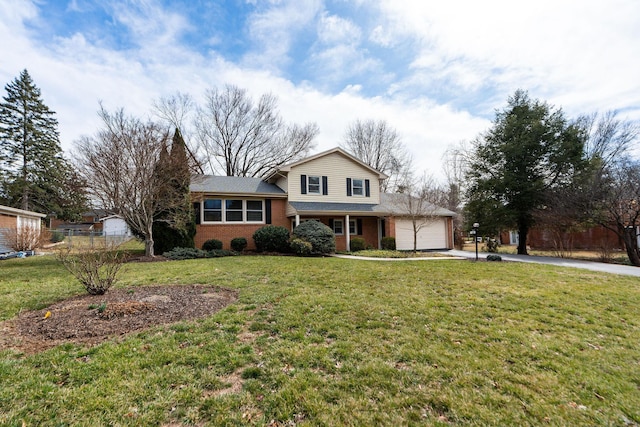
(436, 71)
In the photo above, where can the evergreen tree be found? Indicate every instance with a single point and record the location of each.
(35, 175)
(530, 151)
(175, 227)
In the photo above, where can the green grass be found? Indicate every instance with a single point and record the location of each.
(384, 253)
(325, 341)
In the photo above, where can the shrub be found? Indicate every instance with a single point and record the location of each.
(96, 268)
(56, 236)
(492, 245)
(301, 247)
(178, 254)
(238, 244)
(219, 253)
(494, 257)
(212, 244)
(271, 238)
(185, 253)
(321, 237)
(358, 244)
(388, 243)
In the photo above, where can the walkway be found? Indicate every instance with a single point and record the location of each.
(562, 262)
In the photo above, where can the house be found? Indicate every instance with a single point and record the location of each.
(332, 187)
(593, 238)
(13, 220)
(89, 222)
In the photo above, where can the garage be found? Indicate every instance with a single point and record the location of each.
(432, 235)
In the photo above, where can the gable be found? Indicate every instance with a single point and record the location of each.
(334, 174)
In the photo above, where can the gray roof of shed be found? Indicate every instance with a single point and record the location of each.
(232, 185)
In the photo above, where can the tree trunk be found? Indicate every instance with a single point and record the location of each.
(148, 242)
(631, 245)
(522, 239)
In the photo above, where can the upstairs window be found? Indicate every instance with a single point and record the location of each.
(314, 185)
(357, 187)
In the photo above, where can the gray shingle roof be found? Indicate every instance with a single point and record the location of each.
(232, 185)
(395, 203)
(332, 207)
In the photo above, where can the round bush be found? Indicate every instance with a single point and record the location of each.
(321, 237)
(212, 244)
(493, 257)
(301, 247)
(388, 243)
(238, 244)
(271, 238)
(357, 244)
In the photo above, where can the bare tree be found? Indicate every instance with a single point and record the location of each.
(607, 137)
(379, 145)
(420, 202)
(621, 205)
(120, 163)
(177, 111)
(454, 164)
(240, 138)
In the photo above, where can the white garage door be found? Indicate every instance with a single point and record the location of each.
(431, 236)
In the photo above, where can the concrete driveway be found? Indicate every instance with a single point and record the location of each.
(562, 262)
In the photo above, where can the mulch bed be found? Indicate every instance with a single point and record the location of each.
(92, 319)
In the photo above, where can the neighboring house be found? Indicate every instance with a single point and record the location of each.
(12, 219)
(115, 225)
(89, 221)
(332, 187)
(594, 238)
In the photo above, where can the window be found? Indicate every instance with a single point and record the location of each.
(314, 185)
(338, 227)
(353, 227)
(254, 210)
(212, 210)
(357, 187)
(232, 210)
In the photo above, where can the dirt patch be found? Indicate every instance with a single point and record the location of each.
(92, 319)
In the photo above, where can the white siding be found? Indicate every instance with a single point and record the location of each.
(430, 236)
(115, 226)
(337, 168)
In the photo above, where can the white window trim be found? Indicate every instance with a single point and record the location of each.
(319, 192)
(224, 211)
(353, 187)
(355, 227)
(341, 227)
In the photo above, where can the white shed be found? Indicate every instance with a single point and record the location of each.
(114, 225)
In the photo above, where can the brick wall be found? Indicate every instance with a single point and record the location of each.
(228, 231)
(8, 221)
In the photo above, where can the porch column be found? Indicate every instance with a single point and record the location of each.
(346, 233)
(297, 220)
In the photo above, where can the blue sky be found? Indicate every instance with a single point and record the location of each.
(436, 71)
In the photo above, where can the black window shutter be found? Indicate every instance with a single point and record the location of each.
(331, 224)
(325, 186)
(349, 187)
(196, 211)
(367, 188)
(359, 230)
(267, 211)
(303, 184)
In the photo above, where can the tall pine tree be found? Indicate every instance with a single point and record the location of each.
(34, 174)
(174, 227)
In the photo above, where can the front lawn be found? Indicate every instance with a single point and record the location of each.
(326, 341)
